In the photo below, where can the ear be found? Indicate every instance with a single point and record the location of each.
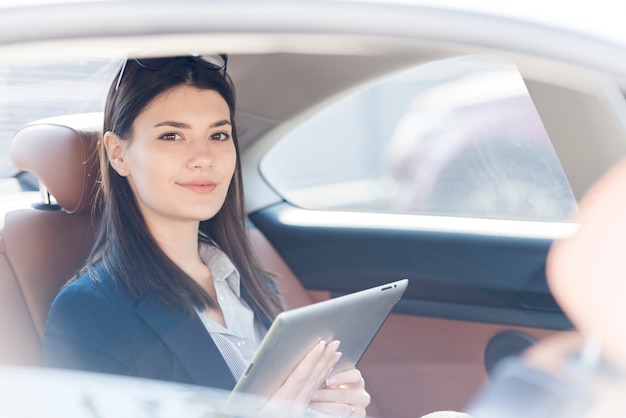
(116, 152)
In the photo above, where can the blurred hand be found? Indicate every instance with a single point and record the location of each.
(586, 270)
(552, 353)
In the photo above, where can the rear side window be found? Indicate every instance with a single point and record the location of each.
(30, 92)
(458, 137)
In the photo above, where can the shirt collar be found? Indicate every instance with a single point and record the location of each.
(221, 267)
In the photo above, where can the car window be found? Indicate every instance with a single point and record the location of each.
(34, 91)
(457, 137)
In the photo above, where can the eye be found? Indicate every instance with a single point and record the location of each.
(220, 136)
(171, 136)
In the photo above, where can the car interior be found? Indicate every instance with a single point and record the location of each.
(478, 290)
(62, 233)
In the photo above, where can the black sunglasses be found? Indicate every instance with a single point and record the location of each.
(218, 63)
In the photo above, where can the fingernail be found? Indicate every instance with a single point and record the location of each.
(335, 344)
(322, 345)
(331, 381)
(336, 357)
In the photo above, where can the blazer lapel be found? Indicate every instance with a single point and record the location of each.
(190, 342)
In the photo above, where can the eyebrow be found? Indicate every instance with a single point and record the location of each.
(183, 125)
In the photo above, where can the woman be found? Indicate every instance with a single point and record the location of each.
(172, 289)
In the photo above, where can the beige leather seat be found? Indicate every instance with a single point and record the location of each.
(40, 248)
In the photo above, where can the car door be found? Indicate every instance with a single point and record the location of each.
(460, 192)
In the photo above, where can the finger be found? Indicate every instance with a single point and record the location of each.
(301, 377)
(337, 409)
(351, 378)
(322, 368)
(357, 397)
(317, 371)
(344, 387)
(309, 373)
(292, 396)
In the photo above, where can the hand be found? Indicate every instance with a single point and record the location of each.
(343, 396)
(293, 397)
(602, 384)
(586, 270)
(552, 353)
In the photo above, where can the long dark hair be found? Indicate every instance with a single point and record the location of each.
(127, 249)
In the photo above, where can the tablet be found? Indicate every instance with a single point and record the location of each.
(353, 319)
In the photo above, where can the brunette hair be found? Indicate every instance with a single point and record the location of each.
(127, 249)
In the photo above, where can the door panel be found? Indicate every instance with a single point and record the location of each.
(454, 275)
(418, 365)
(464, 290)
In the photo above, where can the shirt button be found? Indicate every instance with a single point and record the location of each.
(241, 343)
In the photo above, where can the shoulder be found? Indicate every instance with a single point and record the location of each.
(89, 326)
(92, 325)
(90, 305)
(92, 291)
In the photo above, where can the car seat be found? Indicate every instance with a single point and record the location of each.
(41, 247)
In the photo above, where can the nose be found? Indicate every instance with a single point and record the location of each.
(201, 155)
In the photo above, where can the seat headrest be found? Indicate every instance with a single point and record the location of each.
(62, 153)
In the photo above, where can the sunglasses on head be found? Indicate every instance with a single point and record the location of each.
(218, 63)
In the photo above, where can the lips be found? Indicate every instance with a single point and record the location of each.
(199, 186)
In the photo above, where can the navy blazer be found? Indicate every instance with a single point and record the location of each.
(97, 326)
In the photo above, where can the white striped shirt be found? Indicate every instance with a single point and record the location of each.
(244, 331)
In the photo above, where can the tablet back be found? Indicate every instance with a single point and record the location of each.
(353, 319)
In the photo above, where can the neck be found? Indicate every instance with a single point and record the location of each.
(179, 240)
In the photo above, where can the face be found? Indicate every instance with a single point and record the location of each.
(181, 157)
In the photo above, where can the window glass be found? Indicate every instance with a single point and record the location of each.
(455, 137)
(32, 92)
